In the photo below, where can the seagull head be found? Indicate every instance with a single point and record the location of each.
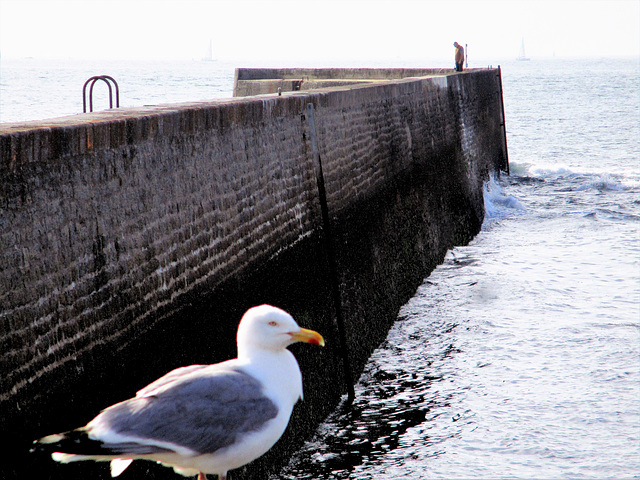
(270, 328)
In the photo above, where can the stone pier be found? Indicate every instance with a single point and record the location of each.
(132, 240)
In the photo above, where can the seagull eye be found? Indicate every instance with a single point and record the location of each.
(273, 323)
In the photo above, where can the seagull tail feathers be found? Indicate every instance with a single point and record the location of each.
(75, 446)
(75, 442)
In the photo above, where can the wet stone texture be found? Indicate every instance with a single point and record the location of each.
(131, 241)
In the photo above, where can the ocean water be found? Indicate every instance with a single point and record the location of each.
(34, 89)
(519, 357)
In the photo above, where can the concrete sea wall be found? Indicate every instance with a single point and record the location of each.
(132, 240)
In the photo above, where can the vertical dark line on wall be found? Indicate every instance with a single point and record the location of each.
(504, 125)
(331, 254)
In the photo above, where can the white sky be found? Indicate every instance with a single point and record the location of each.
(317, 30)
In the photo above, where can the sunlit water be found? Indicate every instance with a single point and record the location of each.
(519, 357)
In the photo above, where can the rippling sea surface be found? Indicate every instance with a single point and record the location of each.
(519, 357)
(32, 89)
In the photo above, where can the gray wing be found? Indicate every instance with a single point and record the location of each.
(203, 412)
(170, 377)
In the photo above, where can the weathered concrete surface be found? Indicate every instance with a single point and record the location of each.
(131, 241)
(260, 81)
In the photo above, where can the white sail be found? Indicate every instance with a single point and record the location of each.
(522, 56)
(209, 56)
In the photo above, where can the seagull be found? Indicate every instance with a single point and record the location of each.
(202, 419)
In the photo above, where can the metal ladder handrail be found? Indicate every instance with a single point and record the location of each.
(105, 78)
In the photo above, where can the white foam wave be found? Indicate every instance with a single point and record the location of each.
(497, 204)
(593, 178)
(603, 183)
(550, 170)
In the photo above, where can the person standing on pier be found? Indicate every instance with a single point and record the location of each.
(459, 56)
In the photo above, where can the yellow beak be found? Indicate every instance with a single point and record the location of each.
(308, 336)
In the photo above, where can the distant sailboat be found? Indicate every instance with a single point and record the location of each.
(522, 57)
(209, 57)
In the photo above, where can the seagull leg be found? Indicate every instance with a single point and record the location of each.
(203, 476)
